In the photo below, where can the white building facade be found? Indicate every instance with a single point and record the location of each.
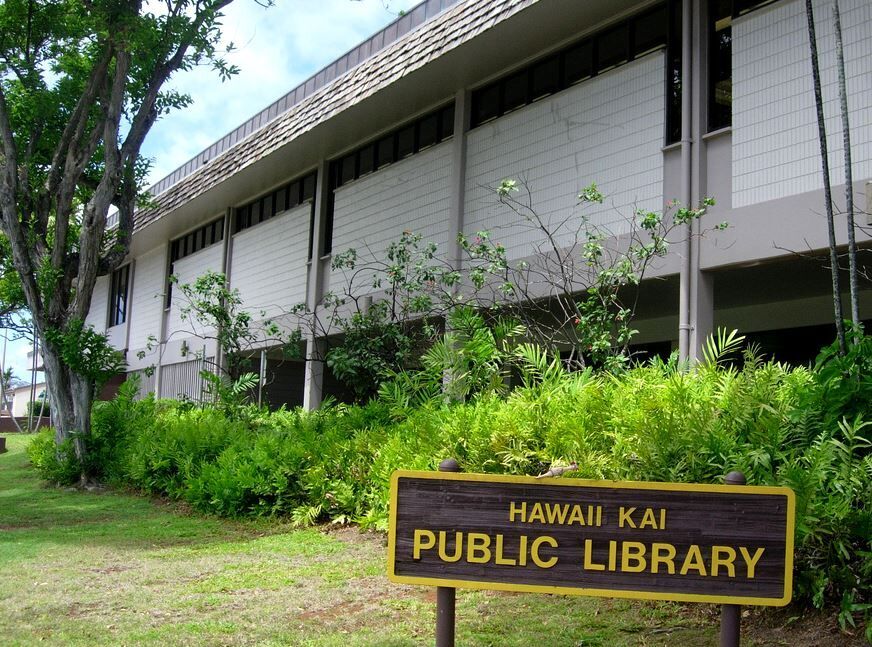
(412, 129)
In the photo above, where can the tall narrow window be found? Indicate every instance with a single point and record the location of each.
(720, 64)
(673, 73)
(118, 296)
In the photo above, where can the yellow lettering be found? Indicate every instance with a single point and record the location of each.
(662, 518)
(522, 511)
(418, 543)
(588, 557)
(499, 554)
(522, 551)
(613, 555)
(556, 512)
(624, 516)
(443, 546)
(599, 515)
(723, 556)
(648, 519)
(633, 557)
(477, 548)
(751, 562)
(534, 551)
(536, 514)
(693, 561)
(576, 516)
(658, 557)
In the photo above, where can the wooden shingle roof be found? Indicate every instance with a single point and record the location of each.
(431, 40)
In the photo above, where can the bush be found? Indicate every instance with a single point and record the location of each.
(658, 422)
(55, 464)
(36, 407)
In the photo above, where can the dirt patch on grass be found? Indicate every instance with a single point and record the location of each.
(795, 628)
(109, 570)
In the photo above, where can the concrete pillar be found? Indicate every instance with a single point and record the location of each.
(702, 310)
(458, 176)
(313, 389)
(226, 258)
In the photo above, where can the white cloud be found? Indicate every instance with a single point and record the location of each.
(278, 48)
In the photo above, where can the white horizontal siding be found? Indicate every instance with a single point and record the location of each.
(371, 213)
(607, 130)
(147, 297)
(268, 264)
(775, 137)
(187, 270)
(99, 312)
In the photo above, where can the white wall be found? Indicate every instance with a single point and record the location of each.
(775, 137)
(268, 263)
(607, 130)
(187, 270)
(21, 396)
(372, 212)
(147, 297)
(99, 312)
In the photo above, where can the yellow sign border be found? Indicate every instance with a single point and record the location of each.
(606, 593)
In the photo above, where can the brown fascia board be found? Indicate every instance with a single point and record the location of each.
(445, 32)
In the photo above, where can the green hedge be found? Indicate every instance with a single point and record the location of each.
(654, 422)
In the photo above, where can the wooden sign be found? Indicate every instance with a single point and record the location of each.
(655, 541)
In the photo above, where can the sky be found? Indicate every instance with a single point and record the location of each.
(276, 49)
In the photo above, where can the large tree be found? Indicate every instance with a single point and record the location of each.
(81, 84)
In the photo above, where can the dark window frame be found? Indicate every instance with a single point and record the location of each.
(385, 151)
(187, 245)
(119, 294)
(284, 198)
(575, 63)
(719, 68)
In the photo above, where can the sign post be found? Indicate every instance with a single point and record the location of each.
(724, 544)
(445, 595)
(731, 619)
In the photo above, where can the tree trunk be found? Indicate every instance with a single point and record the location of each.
(849, 174)
(825, 168)
(71, 399)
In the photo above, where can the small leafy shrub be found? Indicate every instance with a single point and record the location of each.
(164, 458)
(55, 464)
(38, 407)
(115, 425)
(845, 380)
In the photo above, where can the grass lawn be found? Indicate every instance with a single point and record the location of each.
(79, 568)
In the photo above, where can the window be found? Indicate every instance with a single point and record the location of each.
(424, 132)
(720, 57)
(545, 78)
(612, 46)
(650, 29)
(118, 291)
(609, 48)
(285, 197)
(720, 64)
(673, 73)
(194, 241)
(515, 91)
(578, 63)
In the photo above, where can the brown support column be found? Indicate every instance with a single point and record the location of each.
(445, 595)
(731, 614)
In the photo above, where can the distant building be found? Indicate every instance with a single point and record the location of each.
(652, 100)
(21, 397)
